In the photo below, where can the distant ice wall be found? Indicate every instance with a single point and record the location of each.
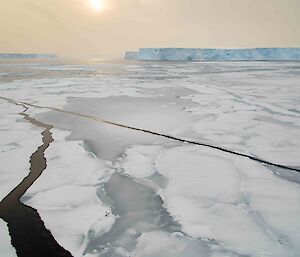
(132, 55)
(202, 54)
(27, 56)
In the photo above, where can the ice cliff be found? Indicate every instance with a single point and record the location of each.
(202, 54)
(132, 55)
(27, 56)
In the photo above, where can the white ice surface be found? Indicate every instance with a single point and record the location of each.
(65, 195)
(140, 160)
(252, 108)
(18, 140)
(232, 200)
(215, 196)
(6, 249)
(254, 112)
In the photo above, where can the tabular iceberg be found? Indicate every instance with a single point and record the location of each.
(203, 54)
(132, 55)
(27, 56)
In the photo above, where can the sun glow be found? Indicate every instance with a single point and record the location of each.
(97, 5)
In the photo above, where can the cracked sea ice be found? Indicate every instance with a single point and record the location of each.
(209, 202)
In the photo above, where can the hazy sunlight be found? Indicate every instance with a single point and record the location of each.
(97, 5)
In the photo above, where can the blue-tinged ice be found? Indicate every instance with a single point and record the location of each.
(27, 56)
(131, 55)
(202, 54)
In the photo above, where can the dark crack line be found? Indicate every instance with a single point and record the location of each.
(219, 148)
(29, 236)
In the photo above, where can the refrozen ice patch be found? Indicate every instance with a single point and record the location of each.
(138, 210)
(65, 195)
(232, 200)
(159, 243)
(7, 249)
(160, 114)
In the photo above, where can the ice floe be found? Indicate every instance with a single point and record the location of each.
(19, 139)
(108, 191)
(65, 195)
(5, 242)
(232, 200)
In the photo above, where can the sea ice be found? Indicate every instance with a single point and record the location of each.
(5, 242)
(140, 161)
(19, 139)
(65, 195)
(155, 244)
(217, 196)
(208, 202)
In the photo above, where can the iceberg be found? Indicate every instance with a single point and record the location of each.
(204, 54)
(131, 55)
(27, 56)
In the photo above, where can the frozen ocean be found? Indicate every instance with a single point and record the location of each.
(149, 159)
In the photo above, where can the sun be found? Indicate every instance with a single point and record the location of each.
(97, 5)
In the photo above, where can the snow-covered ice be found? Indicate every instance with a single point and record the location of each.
(221, 196)
(19, 139)
(110, 191)
(65, 195)
(5, 242)
(139, 160)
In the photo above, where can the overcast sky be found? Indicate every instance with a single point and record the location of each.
(73, 28)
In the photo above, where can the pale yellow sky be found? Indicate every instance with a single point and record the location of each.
(72, 28)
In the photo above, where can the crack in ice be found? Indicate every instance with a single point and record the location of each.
(98, 119)
(29, 236)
